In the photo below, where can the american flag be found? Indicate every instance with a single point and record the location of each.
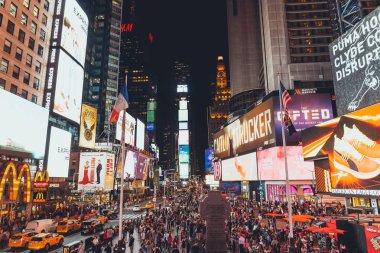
(285, 101)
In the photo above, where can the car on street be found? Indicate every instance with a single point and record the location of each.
(149, 205)
(136, 208)
(111, 214)
(102, 218)
(45, 241)
(42, 226)
(68, 226)
(91, 226)
(21, 240)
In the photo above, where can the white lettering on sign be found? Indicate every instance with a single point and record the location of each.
(305, 114)
(47, 100)
(356, 192)
(56, 28)
(59, 7)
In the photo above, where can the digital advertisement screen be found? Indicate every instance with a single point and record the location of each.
(183, 137)
(210, 181)
(130, 128)
(141, 168)
(184, 171)
(74, 31)
(351, 143)
(59, 153)
(252, 130)
(150, 116)
(356, 66)
(240, 168)
(217, 170)
(96, 171)
(322, 176)
(68, 88)
(227, 187)
(271, 164)
(183, 104)
(150, 126)
(140, 142)
(152, 106)
(88, 127)
(372, 235)
(305, 111)
(130, 165)
(184, 153)
(183, 125)
(209, 160)
(24, 132)
(182, 88)
(183, 115)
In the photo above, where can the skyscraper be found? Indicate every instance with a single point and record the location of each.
(25, 28)
(219, 109)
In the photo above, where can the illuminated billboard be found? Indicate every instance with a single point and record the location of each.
(96, 170)
(240, 168)
(142, 167)
(59, 153)
(23, 125)
(140, 141)
(184, 171)
(217, 170)
(183, 137)
(184, 153)
(350, 143)
(183, 115)
(252, 130)
(150, 126)
(150, 116)
(183, 104)
(271, 164)
(182, 88)
(183, 125)
(152, 106)
(130, 128)
(210, 181)
(209, 160)
(356, 66)
(68, 88)
(130, 165)
(87, 133)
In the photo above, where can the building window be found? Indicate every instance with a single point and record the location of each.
(10, 27)
(24, 19)
(21, 36)
(46, 5)
(16, 72)
(7, 46)
(4, 65)
(36, 11)
(33, 27)
(40, 50)
(29, 60)
(26, 3)
(13, 10)
(2, 83)
(34, 99)
(44, 19)
(24, 94)
(36, 83)
(26, 78)
(18, 55)
(2, 3)
(42, 35)
(31, 43)
(38, 67)
(235, 7)
(13, 89)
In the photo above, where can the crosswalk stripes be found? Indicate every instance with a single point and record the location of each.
(131, 216)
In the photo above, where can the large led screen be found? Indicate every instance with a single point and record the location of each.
(68, 89)
(184, 153)
(74, 31)
(217, 170)
(130, 128)
(209, 160)
(140, 141)
(87, 133)
(130, 165)
(210, 181)
(305, 110)
(142, 166)
(183, 104)
(184, 171)
(59, 152)
(183, 137)
(356, 65)
(351, 144)
(23, 125)
(183, 125)
(150, 116)
(271, 164)
(96, 171)
(240, 168)
(183, 115)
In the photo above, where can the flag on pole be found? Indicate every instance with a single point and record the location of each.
(121, 103)
(285, 101)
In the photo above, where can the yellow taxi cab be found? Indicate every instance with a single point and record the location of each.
(149, 205)
(21, 240)
(45, 241)
(102, 218)
(67, 226)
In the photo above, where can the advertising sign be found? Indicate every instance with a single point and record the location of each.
(59, 152)
(152, 106)
(271, 164)
(183, 125)
(372, 235)
(22, 133)
(184, 153)
(130, 128)
(150, 126)
(183, 137)
(183, 104)
(183, 115)
(355, 63)
(20, 175)
(142, 167)
(240, 168)
(68, 88)
(218, 170)
(150, 116)
(96, 171)
(39, 196)
(184, 171)
(233, 187)
(252, 130)
(88, 127)
(130, 165)
(140, 141)
(209, 160)
(351, 144)
(305, 111)
(322, 176)
(210, 181)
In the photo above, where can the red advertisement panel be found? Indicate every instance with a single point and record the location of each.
(372, 235)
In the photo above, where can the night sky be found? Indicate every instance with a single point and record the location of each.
(193, 31)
